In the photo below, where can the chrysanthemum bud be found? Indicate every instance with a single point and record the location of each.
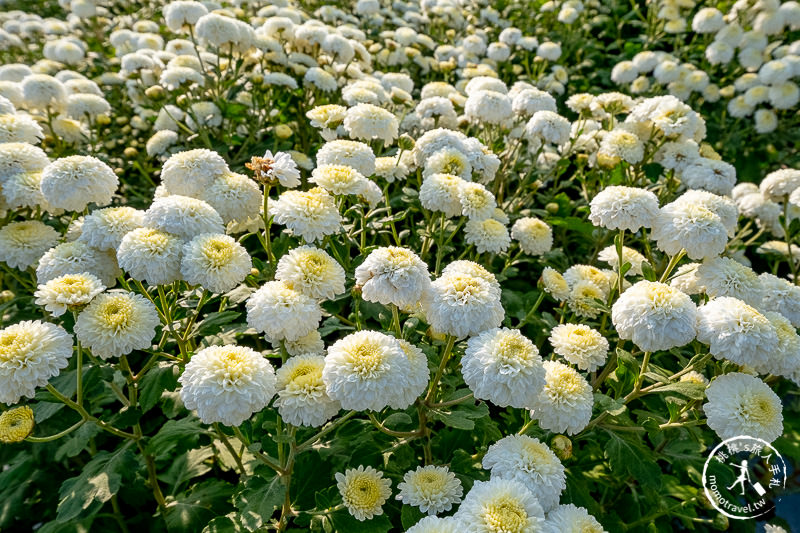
(16, 424)
(562, 447)
(103, 120)
(130, 152)
(156, 92)
(405, 142)
(552, 208)
(282, 131)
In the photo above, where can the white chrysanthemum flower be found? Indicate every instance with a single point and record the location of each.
(580, 345)
(393, 275)
(736, 331)
(282, 312)
(487, 235)
(227, 384)
(366, 370)
(476, 201)
(338, 179)
(20, 128)
(434, 489)
(723, 276)
(624, 72)
(74, 182)
(21, 158)
(462, 305)
(621, 144)
(692, 226)
(115, 324)
(391, 168)
(235, 197)
(785, 361)
(604, 279)
(565, 403)
(215, 262)
(448, 161)
(582, 296)
(151, 255)
(488, 107)
(530, 100)
(181, 13)
(191, 172)
(366, 122)
(503, 366)
(776, 185)
(310, 343)
(535, 237)
(436, 524)
(619, 207)
(23, 243)
(350, 153)
(568, 518)
(74, 258)
(24, 190)
(69, 291)
(500, 505)
(555, 284)
(442, 192)
(311, 271)
(685, 279)
(713, 176)
(31, 352)
(708, 20)
(104, 228)
(694, 377)
(781, 296)
(43, 91)
(311, 214)
(302, 399)
(327, 117)
(530, 462)
(741, 404)
(549, 127)
(183, 216)
(629, 255)
(654, 316)
(364, 490)
(280, 166)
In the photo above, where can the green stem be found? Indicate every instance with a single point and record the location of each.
(58, 435)
(673, 262)
(448, 349)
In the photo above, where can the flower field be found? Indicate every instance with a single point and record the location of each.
(369, 266)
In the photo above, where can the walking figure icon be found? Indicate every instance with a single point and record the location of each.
(744, 475)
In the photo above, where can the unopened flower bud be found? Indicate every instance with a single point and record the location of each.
(562, 447)
(16, 424)
(406, 142)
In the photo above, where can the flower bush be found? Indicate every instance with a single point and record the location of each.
(393, 266)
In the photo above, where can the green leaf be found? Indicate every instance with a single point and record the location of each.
(410, 515)
(191, 511)
(648, 272)
(77, 441)
(213, 322)
(185, 431)
(258, 501)
(344, 521)
(186, 466)
(695, 391)
(157, 380)
(223, 524)
(628, 458)
(98, 481)
(462, 417)
(18, 475)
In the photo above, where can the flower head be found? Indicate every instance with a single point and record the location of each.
(227, 384)
(364, 490)
(115, 324)
(16, 424)
(741, 404)
(434, 489)
(71, 291)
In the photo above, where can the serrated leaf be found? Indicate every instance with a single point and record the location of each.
(695, 391)
(628, 458)
(98, 481)
(186, 431)
(258, 501)
(77, 441)
(191, 511)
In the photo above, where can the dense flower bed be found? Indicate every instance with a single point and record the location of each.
(379, 266)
